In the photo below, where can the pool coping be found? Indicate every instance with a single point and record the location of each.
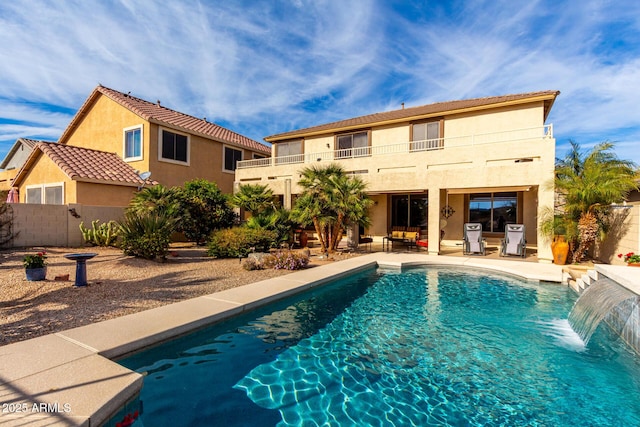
(69, 378)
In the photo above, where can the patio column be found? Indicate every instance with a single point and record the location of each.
(545, 202)
(434, 221)
(287, 194)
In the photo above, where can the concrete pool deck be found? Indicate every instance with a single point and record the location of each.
(69, 378)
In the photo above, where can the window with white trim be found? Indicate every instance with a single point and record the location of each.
(47, 194)
(132, 143)
(231, 158)
(174, 147)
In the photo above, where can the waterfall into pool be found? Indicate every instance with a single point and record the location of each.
(594, 304)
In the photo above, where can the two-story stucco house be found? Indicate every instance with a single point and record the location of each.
(144, 136)
(436, 167)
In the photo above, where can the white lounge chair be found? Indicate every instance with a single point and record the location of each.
(514, 242)
(473, 241)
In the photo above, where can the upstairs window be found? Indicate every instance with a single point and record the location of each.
(291, 150)
(231, 157)
(426, 136)
(174, 147)
(353, 145)
(133, 143)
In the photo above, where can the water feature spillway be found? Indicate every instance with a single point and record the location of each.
(596, 303)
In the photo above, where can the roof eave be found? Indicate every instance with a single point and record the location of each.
(547, 98)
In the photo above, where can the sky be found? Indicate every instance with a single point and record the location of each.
(265, 67)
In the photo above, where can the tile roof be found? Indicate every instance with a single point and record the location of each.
(156, 113)
(424, 111)
(83, 164)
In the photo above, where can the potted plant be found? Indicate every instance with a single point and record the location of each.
(631, 259)
(35, 266)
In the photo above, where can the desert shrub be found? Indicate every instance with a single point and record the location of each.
(251, 264)
(105, 234)
(286, 260)
(239, 242)
(202, 209)
(146, 235)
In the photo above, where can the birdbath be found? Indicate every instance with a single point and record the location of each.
(81, 267)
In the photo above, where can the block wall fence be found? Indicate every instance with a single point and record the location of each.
(56, 225)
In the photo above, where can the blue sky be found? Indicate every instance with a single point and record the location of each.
(265, 67)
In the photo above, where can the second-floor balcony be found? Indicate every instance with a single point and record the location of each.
(484, 139)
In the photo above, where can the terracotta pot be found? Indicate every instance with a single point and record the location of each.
(634, 264)
(560, 250)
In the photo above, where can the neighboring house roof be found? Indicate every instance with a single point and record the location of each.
(20, 142)
(422, 112)
(83, 164)
(156, 113)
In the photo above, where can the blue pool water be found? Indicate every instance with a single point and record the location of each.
(422, 347)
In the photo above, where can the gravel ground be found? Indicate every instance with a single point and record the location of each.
(118, 285)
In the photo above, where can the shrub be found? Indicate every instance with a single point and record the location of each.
(239, 242)
(202, 209)
(252, 264)
(286, 260)
(146, 235)
(101, 235)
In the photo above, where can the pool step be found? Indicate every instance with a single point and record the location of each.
(579, 278)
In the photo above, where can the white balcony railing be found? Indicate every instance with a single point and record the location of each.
(405, 147)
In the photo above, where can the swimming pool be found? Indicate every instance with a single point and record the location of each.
(425, 346)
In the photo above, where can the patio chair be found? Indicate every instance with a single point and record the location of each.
(473, 241)
(514, 242)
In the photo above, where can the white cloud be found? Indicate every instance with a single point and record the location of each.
(268, 67)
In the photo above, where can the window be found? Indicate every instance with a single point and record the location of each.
(50, 194)
(133, 143)
(174, 146)
(409, 210)
(291, 150)
(353, 145)
(493, 210)
(231, 157)
(258, 156)
(426, 136)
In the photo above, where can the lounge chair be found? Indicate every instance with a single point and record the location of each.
(514, 242)
(473, 241)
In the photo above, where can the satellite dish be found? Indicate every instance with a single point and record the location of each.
(144, 176)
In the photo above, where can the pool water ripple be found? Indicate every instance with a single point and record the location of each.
(425, 347)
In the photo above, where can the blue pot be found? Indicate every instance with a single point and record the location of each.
(36, 274)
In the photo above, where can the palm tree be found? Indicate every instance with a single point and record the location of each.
(253, 198)
(588, 183)
(330, 200)
(154, 199)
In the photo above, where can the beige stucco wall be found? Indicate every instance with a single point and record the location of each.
(469, 160)
(623, 238)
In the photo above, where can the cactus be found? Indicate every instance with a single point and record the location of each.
(100, 235)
